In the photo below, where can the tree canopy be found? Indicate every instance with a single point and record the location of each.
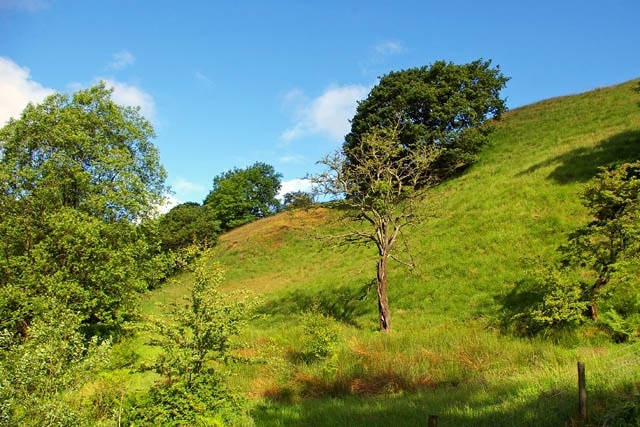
(444, 105)
(77, 173)
(240, 196)
(83, 152)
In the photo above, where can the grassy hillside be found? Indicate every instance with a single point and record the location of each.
(446, 355)
(519, 201)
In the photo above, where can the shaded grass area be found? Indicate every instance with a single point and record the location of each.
(457, 406)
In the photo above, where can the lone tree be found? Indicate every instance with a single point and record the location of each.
(416, 128)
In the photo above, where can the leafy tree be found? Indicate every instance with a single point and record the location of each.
(83, 152)
(297, 200)
(381, 186)
(608, 246)
(240, 196)
(187, 224)
(77, 173)
(444, 105)
(599, 265)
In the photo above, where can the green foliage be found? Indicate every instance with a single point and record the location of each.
(83, 152)
(608, 246)
(188, 224)
(444, 106)
(240, 196)
(319, 335)
(544, 302)
(76, 174)
(197, 343)
(599, 266)
(297, 200)
(36, 371)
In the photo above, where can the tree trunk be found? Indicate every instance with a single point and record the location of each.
(595, 289)
(593, 310)
(383, 300)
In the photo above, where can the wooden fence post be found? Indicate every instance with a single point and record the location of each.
(582, 393)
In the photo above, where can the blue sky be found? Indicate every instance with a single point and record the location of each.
(229, 83)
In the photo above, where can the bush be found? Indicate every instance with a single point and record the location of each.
(197, 344)
(547, 300)
(319, 335)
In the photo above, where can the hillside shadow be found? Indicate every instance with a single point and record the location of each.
(343, 304)
(520, 299)
(582, 164)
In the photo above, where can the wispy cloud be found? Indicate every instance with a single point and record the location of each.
(121, 60)
(378, 57)
(17, 89)
(202, 78)
(389, 48)
(133, 96)
(327, 115)
(28, 5)
(185, 186)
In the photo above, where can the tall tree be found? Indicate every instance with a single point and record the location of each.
(76, 175)
(444, 105)
(240, 196)
(416, 128)
(381, 184)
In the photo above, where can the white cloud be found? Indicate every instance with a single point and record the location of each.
(133, 96)
(389, 48)
(327, 115)
(122, 60)
(297, 184)
(17, 89)
(28, 5)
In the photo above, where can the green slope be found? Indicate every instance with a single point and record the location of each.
(519, 201)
